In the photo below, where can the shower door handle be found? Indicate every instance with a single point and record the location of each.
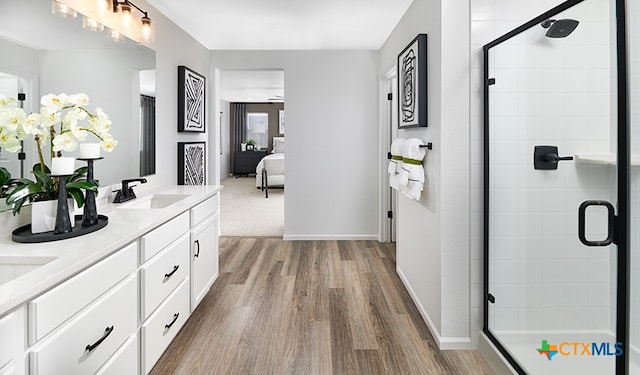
(582, 213)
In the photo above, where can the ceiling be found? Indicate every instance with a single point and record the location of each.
(252, 86)
(281, 25)
(286, 24)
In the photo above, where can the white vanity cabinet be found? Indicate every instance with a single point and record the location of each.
(118, 313)
(77, 326)
(204, 249)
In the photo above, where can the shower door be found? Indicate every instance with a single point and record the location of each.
(551, 193)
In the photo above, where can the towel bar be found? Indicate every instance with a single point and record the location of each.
(428, 146)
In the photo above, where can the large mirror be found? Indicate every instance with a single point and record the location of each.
(43, 53)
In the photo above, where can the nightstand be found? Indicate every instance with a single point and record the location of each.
(245, 162)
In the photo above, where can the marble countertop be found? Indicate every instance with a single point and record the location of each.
(76, 254)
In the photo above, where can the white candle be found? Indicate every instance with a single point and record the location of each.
(89, 150)
(62, 166)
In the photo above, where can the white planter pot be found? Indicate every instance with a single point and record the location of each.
(243, 147)
(43, 215)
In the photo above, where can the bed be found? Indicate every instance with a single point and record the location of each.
(273, 165)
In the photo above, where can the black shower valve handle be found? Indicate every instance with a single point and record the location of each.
(554, 158)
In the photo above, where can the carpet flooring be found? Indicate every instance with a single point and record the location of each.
(244, 211)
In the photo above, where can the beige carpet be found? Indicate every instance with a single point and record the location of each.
(244, 211)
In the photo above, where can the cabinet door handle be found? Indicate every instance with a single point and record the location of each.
(106, 334)
(197, 254)
(168, 275)
(175, 317)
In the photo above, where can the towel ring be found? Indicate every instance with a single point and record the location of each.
(427, 146)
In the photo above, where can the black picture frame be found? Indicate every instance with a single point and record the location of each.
(191, 101)
(192, 168)
(412, 84)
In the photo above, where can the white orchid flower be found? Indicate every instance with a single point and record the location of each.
(108, 143)
(64, 142)
(77, 131)
(32, 124)
(7, 101)
(9, 141)
(54, 102)
(72, 117)
(11, 118)
(49, 118)
(78, 100)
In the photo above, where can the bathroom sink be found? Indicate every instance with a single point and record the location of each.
(155, 201)
(12, 267)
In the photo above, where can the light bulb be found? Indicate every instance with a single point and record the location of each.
(146, 27)
(62, 10)
(114, 35)
(91, 24)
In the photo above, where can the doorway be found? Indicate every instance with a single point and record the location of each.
(252, 106)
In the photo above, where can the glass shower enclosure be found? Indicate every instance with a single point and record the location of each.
(559, 271)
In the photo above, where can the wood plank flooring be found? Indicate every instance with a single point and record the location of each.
(309, 307)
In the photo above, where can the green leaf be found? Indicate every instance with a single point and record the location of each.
(24, 191)
(5, 176)
(37, 167)
(77, 195)
(85, 185)
(44, 179)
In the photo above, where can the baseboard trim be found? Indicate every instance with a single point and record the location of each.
(330, 237)
(493, 356)
(444, 343)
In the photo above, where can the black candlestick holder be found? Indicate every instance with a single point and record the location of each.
(63, 220)
(90, 212)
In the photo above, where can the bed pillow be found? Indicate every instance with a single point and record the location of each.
(278, 145)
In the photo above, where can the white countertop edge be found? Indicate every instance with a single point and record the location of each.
(76, 254)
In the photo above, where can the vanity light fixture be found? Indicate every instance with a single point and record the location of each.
(125, 7)
(62, 10)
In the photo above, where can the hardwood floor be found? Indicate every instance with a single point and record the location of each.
(309, 307)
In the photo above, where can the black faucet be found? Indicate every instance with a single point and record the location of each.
(126, 192)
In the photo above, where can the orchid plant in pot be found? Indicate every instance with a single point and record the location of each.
(63, 121)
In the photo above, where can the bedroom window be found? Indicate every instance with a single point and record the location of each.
(258, 129)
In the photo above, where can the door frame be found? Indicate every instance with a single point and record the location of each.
(386, 227)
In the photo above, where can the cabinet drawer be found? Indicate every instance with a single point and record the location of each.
(163, 325)
(163, 274)
(156, 240)
(8, 340)
(60, 303)
(125, 361)
(203, 210)
(105, 325)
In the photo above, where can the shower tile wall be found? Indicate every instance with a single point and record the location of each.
(556, 92)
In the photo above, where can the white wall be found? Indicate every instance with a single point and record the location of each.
(225, 133)
(433, 234)
(332, 139)
(175, 47)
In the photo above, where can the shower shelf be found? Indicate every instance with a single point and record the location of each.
(603, 159)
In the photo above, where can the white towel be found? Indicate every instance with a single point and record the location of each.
(395, 164)
(412, 175)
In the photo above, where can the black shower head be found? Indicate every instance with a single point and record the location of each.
(559, 28)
